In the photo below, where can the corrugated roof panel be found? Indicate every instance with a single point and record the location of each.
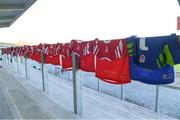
(11, 10)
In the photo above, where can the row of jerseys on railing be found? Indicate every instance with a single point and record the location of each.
(149, 60)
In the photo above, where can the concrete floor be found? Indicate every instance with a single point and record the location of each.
(20, 104)
(27, 101)
(5, 112)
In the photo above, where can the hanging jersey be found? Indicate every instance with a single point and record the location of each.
(154, 77)
(49, 54)
(174, 50)
(112, 62)
(76, 47)
(86, 51)
(66, 57)
(38, 56)
(156, 52)
(57, 53)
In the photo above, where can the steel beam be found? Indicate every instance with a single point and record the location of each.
(28, 4)
(12, 7)
(5, 24)
(7, 18)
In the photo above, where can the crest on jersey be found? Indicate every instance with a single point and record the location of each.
(142, 58)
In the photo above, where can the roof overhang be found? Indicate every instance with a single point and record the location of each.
(11, 10)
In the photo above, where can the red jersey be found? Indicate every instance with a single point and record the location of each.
(38, 55)
(76, 47)
(66, 57)
(33, 51)
(85, 49)
(112, 62)
(56, 55)
(49, 54)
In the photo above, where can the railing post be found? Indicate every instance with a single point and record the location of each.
(26, 68)
(68, 75)
(77, 86)
(11, 60)
(51, 69)
(4, 58)
(59, 71)
(157, 98)
(44, 73)
(17, 60)
(7, 58)
(122, 92)
(98, 86)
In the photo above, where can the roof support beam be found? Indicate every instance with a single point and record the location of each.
(7, 18)
(11, 7)
(5, 24)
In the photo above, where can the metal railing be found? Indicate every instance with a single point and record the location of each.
(77, 85)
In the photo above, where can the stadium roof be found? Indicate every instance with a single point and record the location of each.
(11, 10)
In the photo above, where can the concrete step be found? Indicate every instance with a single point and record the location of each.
(26, 106)
(42, 99)
(95, 105)
(5, 112)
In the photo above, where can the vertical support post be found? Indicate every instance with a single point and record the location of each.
(77, 86)
(98, 85)
(17, 63)
(12, 59)
(68, 75)
(44, 73)
(122, 92)
(42, 70)
(59, 71)
(26, 71)
(3, 58)
(157, 98)
(7, 58)
(51, 69)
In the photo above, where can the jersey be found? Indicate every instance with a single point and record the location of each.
(174, 50)
(49, 54)
(14, 52)
(57, 52)
(38, 53)
(76, 47)
(112, 62)
(156, 52)
(66, 57)
(86, 51)
(154, 77)
(33, 50)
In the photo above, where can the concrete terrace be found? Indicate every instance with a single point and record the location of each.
(24, 99)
